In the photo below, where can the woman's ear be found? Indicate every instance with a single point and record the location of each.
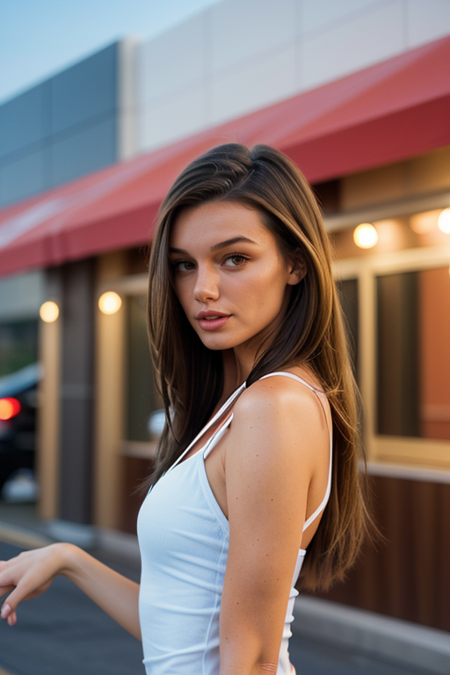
(297, 268)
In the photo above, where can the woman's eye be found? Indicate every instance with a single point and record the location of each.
(235, 261)
(183, 266)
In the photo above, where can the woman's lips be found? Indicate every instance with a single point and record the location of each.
(213, 323)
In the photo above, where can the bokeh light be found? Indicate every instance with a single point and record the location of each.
(49, 311)
(110, 302)
(365, 235)
(444, 221)
(9, 407)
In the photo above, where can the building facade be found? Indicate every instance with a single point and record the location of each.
(237, 57)
(219, 68)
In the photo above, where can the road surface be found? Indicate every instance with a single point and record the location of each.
(64, 632)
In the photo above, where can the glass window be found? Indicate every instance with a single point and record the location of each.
(413, 356)
(142, 398)
(348, 295)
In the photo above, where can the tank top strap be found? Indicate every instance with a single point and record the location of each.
(223, 427)
(283, 373)
(212, 421)
(218, 433)
(328, 490)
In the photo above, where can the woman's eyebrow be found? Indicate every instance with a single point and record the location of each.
(230, 242)
(216, 247)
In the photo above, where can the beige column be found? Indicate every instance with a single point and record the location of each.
(47, 439)
(109, 397)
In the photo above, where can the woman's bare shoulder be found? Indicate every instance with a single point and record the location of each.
(280, 396)
(280, 413)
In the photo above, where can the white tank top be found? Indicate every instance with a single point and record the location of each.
(183, 538)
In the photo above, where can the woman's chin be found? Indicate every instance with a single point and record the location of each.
(217, 344)
(217, 341)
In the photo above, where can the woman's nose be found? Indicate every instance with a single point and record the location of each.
(206, 284)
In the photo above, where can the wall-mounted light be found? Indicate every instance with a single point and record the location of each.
(110, 302)
(422, 223)
(444, 221)
(365, 235)
(49, 311)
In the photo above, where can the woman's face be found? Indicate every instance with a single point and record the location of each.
(229, 275)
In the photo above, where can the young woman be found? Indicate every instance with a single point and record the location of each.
(257, 474)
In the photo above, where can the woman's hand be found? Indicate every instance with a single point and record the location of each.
(28, 575)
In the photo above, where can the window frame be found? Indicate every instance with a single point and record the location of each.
(401, 451)
(132, 284)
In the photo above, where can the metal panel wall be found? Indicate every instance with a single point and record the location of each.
(61, 129)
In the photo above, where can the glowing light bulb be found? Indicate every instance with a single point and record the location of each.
(365, 235)
(110, 302)
(444, 221)
(49, 311)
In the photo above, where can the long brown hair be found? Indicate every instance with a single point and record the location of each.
(190, 376)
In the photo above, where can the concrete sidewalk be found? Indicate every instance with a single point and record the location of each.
(408, 647)
(367, 633)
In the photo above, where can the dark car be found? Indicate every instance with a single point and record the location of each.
(18, 403)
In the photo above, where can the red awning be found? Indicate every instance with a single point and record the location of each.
(388, 112)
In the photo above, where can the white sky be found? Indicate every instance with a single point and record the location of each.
(39, 38)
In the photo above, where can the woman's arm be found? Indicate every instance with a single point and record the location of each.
(31, 573)
(277, 438)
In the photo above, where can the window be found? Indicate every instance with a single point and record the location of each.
(142, 398)
(348, 295)
(413, 355)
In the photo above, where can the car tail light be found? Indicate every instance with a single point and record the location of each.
(9, 408)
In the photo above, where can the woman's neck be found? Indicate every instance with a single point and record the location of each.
(231, 372)
(241, 359)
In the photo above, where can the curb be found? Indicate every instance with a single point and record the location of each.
(369, 633)
(110, 541)
(19, 536)
(121, 544)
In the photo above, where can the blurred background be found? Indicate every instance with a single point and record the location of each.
(101, 105)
